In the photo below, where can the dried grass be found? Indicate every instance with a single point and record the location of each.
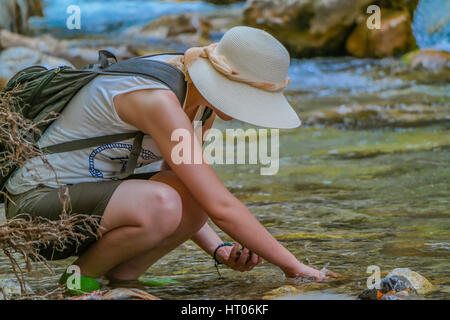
(20, 237)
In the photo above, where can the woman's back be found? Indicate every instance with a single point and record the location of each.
(90, 113)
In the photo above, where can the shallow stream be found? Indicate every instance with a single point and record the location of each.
(364, 181)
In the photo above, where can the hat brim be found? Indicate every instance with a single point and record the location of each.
(242, 101)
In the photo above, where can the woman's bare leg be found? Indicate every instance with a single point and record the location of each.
(193, 218)
(140, 216)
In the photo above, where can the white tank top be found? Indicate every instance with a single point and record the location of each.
(90, 113)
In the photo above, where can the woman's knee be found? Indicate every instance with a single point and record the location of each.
(193, 214)
(162, 209)
(153, 205)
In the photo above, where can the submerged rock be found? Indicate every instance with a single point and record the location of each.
(317, 296)
(376, 116)
(183, 31)
(307, 27)
(394, 37)
(307, 291)
(393, 142)
(326, 236)
(116, 294)
(280, 292)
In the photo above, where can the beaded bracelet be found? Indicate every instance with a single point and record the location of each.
(217, 262)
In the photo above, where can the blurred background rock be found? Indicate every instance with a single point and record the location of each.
(308, 28)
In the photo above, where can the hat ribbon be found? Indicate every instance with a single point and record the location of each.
(221, 65)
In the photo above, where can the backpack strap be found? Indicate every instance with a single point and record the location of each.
(159, 71)
(134, 156)
(88, 143)
(103, 56)
(97, 141)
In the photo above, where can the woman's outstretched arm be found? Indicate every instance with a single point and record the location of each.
(158, 113)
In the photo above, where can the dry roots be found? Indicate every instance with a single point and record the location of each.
(16, 134)
(21, 236)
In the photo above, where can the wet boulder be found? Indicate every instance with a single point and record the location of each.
(391, 288)
(14, 14)
(400, 283)
(419, 282)
(307, 27)
(190, 29)
(393, 38)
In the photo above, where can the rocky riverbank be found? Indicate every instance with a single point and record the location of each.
(308, 28)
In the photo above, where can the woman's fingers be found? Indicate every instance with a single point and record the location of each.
(254, 259)
(331, 274)
(327, 275)
(233, 254)
(243, 259)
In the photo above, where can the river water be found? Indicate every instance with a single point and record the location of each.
(364, 181)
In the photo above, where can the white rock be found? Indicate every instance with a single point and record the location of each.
(419, 282)
(15, 59)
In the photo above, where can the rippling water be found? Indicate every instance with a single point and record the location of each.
(99, 16)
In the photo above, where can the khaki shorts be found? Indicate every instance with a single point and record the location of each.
(88, 198)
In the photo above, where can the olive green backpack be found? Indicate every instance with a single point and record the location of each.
(42, 92)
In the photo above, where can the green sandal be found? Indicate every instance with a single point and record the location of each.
(87, 284)
(157, 282)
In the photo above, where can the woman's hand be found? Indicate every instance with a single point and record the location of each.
(245, 261)
(304, 271)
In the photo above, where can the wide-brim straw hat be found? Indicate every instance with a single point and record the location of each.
(255, 55)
